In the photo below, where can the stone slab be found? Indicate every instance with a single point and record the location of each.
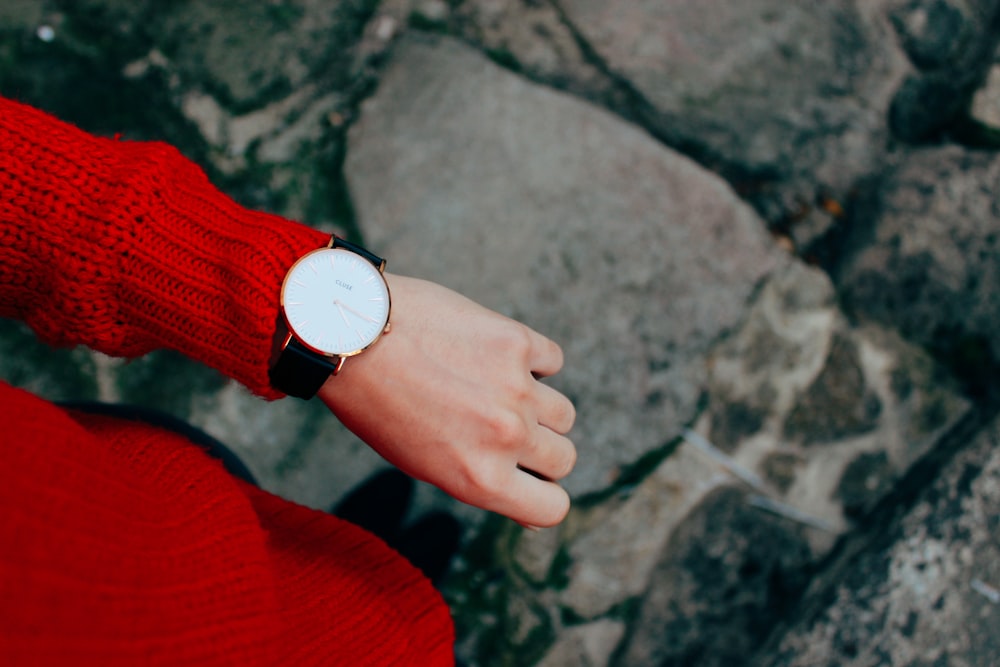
(554, 212)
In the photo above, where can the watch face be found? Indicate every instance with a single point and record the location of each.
(335, 302)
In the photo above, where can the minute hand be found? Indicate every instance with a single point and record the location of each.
(354, 312)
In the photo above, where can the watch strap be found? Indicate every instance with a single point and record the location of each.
(300, 372)
(355, 248)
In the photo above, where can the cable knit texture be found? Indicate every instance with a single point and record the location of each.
(121, 543)
(126, 247)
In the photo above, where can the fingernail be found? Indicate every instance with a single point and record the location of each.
(534, 529)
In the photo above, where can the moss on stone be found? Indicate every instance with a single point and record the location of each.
(167, 381)
(311, 416)
(631, 475)
(496, 606)
(476, 592)
(970, 357)
(625, 610)
(504, 58)
(79, 79)
(421, 21)
(734, 421)
(865, 480)
(838, 403)
(54, 373)
(780, 469)
(559, 572)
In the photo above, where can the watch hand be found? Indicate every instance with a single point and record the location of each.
(343, 314)
(352, 310)
(350, 326)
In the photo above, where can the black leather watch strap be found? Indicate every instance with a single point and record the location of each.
(300, 372)
(354, 247)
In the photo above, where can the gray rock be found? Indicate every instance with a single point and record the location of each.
(986, 102)
(927, 257)
(951, 42)
(534, 38)
(829, 415)
(611, 548)
(925, 592)
(700, 544)
(934, 32)
(560, 594)
(766, 90)
(556, 213)
(295, 449)
(723, 581)
(589, 644)
(787, 398)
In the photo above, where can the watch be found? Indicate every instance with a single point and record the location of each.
(334, 304)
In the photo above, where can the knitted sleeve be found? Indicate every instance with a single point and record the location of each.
(125, 247)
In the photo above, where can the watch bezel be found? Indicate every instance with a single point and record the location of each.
(383, 328)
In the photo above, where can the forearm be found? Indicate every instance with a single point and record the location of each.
(126, 247)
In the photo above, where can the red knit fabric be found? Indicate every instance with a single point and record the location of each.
(123, 544)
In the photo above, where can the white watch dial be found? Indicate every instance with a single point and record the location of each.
(335, 302)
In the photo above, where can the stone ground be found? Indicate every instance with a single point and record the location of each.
(765, 233)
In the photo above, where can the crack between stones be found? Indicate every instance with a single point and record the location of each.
(637, 109)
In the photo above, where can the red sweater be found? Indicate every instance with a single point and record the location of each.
(123, 544)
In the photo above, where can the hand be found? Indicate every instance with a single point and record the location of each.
(451, 396)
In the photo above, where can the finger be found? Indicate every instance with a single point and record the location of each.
(533, 502)
(554, 410)
(550, 456)
(545, 357)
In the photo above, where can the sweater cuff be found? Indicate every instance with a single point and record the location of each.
(126, 247)
(215, 268)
